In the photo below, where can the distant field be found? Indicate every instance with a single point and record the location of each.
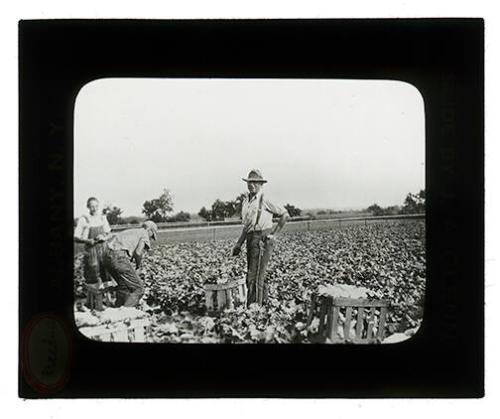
(231, 231)
(199, 222)
(323, 214)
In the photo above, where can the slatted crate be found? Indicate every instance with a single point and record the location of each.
(99, 295)
(348, 320)
(95, 297)
(137, 330)
(229, 295)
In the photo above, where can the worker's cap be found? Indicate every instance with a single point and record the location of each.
(255, 176)
(151, 226)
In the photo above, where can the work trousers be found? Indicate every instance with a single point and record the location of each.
(130, 287)
(258, 254)
(93, 271)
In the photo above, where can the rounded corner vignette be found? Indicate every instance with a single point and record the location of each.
(197, 224)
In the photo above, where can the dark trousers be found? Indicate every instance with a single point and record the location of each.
(258, 254)
(130, 287)
(93, 271)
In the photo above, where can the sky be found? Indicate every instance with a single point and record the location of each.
(320, 143)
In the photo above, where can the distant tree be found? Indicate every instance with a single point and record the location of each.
(239, 203)
(375, 209)
(180, 217)
(392, 210)
(230, 209)
(292, 210)
(205, 214)
(414, 203)
(218, 210)
(113, 213)
(221, 210)
(158, 209)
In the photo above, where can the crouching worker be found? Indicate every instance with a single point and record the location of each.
(123, 249)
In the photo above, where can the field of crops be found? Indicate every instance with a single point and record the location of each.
(388, 258)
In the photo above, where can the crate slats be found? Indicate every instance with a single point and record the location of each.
(95, 297)
(322, 320)
(227, 285)
(229, 298)
(98, 294)
(228, 295)
(221, 298)
(208, 300)
(359, 323)
(335, 319)
(358, 302)
(371, 321)
(381, 328)
(329, 321)
(312, 309)
(214, 299)
(360, 320)
(347, 323)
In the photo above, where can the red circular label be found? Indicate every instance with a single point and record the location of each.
(46, 353)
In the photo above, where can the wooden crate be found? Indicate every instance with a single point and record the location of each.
(133, 331)
(348, 320)
(99, 295)
(95, 297)
(229, 295)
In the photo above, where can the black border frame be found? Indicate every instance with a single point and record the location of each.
(443, 58)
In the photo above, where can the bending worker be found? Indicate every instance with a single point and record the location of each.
(122, 249)
(258, 231)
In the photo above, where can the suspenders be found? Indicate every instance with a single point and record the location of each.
(259, 211)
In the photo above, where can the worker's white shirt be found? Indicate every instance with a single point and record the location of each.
(87, 221)
(250, 209)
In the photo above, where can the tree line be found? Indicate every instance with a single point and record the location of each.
(161, 209)
(413, 204)
(222, 210)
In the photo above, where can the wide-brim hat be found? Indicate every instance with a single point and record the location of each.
(254, 176)
(151, 226)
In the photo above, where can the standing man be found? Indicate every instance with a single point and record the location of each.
(122, 249)
(260, 234)
(93, 230)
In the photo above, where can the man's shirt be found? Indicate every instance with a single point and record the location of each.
(250, 208)
(128, 240)
(86, 221)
